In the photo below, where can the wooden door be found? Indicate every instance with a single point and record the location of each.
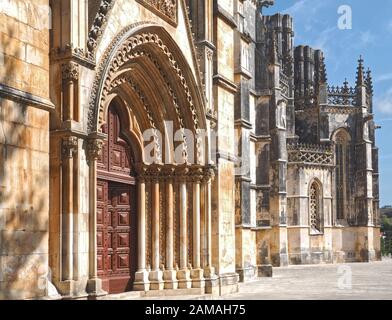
(116, 211)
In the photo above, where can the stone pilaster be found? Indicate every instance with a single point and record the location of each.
(156, 275)
(69, 149)
(170, 274)
(93, 152)
(211, 280)
(197, 271)
(70, 77)
(183, 275)
(142, 282)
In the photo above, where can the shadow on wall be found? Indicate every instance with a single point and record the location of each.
(23, 186)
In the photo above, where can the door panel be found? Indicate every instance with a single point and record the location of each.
(116, 211)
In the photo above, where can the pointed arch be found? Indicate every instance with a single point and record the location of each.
(316, 216)
(342, 138)
(146, 59)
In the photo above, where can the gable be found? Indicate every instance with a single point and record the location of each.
(120, 14)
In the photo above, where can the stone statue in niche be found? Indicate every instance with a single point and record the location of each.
(281, 120)
(366, 131)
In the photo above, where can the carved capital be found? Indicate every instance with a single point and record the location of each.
(154, 173)
(196, 174)
(141, 170)
(210, 54)
(208, 174)
(94, 149)
(168, 173)
(70, 71)
(182, 174)
(69, 147)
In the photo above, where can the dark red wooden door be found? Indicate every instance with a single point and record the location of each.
(116, 211)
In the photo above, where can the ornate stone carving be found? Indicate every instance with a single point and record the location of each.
(167, 9)
(125, 54)
(94, 149)
(196, 174)
(69, 147)
(99, 23)
(310, 154)
(70, 71)
(345, 96)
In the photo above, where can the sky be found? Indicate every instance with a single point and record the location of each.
(316, 25)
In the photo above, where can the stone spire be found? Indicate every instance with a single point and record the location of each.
(360, 73)
(323, 71)
(346, 88)
(274, 55)
(369, 82)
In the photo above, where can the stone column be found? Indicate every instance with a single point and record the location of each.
(94, 284)
(142, 282)
(70, 75)
(197, 272)
(156, 275)
(170, 274)
(211, 280)
(69, 149)
(183, 275)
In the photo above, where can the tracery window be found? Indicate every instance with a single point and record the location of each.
(315, 208)
(342, 150)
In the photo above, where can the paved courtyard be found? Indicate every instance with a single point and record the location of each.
(316, 282)
(348, 281)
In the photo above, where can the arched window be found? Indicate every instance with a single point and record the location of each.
(315, 208)
(342, 152)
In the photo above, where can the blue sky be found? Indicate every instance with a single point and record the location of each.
(316, 24)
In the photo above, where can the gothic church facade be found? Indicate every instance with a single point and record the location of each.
(286, 172)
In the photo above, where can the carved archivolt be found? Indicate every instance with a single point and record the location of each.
(98, 24)
(166, 8)
(124, 54)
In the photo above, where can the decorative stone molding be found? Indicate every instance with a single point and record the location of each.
(99, 24)
(345, 96)
(209, 173)
(27, 98)
(125, 54)
(70, 71)
(196, 174)
(341, 110)
(167, 9)
(310, 154)
(69, 147)
(94, 149)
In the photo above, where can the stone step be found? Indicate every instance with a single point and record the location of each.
(193, 294)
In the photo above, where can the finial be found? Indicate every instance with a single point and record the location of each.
(274, 49)
(323, 70)
(345, 83)
(360, 73)
(369, 82)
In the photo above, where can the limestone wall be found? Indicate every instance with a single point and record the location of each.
(24, 148)
(303, 245)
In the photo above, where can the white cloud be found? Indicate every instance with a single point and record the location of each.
(305, 8)
(384, 102)
(367, 38)
(297, 7)
(384, 77)
(389, 27)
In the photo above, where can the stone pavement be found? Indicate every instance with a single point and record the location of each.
(324, 282)
(318, 282)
